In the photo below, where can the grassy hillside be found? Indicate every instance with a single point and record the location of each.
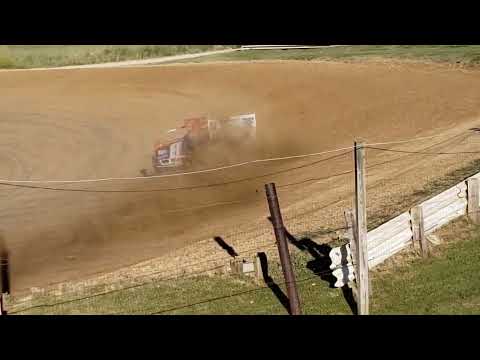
(31, 56)
(468, 54)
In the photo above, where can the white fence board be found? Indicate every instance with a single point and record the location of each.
(396, 234)
(435, 204)
(404, 237)
(385, 237)
(378, 260)
(391, 227)
(458, 188)
(443, 216)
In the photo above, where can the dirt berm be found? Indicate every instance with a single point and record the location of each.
(97, 123)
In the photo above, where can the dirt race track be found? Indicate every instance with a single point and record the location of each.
(95, 123)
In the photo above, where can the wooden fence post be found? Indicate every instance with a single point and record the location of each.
(473, 207)
(279, 229)
(258, 269)
(361, 230)
(418, 229)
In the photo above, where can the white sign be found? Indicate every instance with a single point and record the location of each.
(248, 267)
(244, 120)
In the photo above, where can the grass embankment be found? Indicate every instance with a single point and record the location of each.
(465, 54)
(445, 283)
(33, 56)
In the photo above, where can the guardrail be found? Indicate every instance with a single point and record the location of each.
(285, 47)
(402, 231)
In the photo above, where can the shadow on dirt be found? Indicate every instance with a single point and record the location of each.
(230, 250)
(320, 265)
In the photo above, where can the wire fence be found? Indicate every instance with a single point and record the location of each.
(303, 221)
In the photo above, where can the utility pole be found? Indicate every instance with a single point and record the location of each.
(361, 229)
(283, 251)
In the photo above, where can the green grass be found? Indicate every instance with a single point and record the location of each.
(448, 283)
(31, 56)
(6, 61)
(445, 283)
(468, 54)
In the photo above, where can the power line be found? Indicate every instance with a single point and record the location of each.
(193, 187)
(155, 281)
(425, 148)
(152, 281)
(246, 179)
(315, 179)
(207, 170)
(224, 203)
(175, 174)
(405, 141)
(215, 204)
(231, 295)
(298, 182)
(104, 293)
(424, 153)
(315, 276)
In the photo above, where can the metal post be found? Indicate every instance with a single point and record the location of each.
(361, 229)
(283, 251)
(2, 310)
(4, 275)
(4, 269)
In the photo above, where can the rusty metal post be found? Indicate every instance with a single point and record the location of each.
(4, 269)
(4, 275)
(279, 229)
(2, 307)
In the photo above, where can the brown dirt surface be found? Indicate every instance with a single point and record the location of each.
(95, 123)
